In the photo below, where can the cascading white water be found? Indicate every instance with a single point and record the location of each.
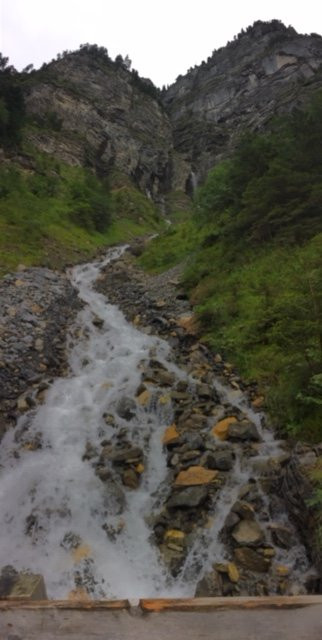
(51, 497)
(60, 490)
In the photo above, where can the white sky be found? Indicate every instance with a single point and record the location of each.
(163, 39)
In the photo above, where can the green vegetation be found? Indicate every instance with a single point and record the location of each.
(254, 265)
(12, 108)
(173, 246)
(53, 214)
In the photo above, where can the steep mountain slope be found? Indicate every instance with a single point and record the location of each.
(87, 110)
(267, 70)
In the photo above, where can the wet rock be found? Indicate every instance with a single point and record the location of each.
(84, 578)
(174, 460)
(242, 431)
(193, 440)
(229, 569)
(103, 473)
(221, 428)
(195, 476)
(171, 435)
(109, 419)
(209, 586)
(115, 498)
(70, 541)
(205, 391)
(189, 497)
(251, 560)
(144, 397)
(126, 408)
(190, 455)
(159, 376)
(175, 538)
(244, 510)
(113, 531)
(159, 531)
(173, 556)
(282, 536)
(248, 533)
(90, 452)
(130, 479)
(194, 421)
(221, 460)
(231, 521)
(8, 579)
(24, 403)
(129, 455)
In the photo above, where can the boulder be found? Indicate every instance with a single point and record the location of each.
(244, 510)
(130, 479)
(209, 586)
(221, 428)
(129, 455)
(221, 459)
(189, 498)
(171, 435)
(242, 431)
(126, 408)
(248, 533)
(194, 476)
(251, 560)
(282, 536)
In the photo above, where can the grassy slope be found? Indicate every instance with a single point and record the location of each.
(255, 264)
(42, 220)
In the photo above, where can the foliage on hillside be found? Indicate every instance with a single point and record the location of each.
(12, 109)
(254, 265)
(53, 214)
(257, 280)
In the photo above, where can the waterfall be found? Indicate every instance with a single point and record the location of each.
(76, 522)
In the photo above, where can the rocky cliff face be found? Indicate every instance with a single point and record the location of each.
(265, 71)
(90, 111)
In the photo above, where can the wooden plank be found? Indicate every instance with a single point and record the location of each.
(168, 604)
(209, 604)
(84, 605)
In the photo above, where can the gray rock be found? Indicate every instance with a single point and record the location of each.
(251, 560)
(189, 497)
(221, 460)
(130, 479)
(242, 431)
(193, 440)
(248, 533)
(209, 586)
(128, 455)
(126, 408)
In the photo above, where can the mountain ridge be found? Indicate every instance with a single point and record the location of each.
(88, 110)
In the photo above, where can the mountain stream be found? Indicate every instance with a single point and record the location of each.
(72, 512)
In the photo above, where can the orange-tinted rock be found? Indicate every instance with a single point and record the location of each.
(221, 428)
(171, 435)
(195, 475)
(189, 323)
(144, 398)
(258, 402)
(81, 552)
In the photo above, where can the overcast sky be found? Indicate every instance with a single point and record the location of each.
(163, 39)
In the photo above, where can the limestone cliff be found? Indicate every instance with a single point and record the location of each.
(267, 70)
(86, 110)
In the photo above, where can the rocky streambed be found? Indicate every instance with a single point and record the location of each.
(148, 470)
